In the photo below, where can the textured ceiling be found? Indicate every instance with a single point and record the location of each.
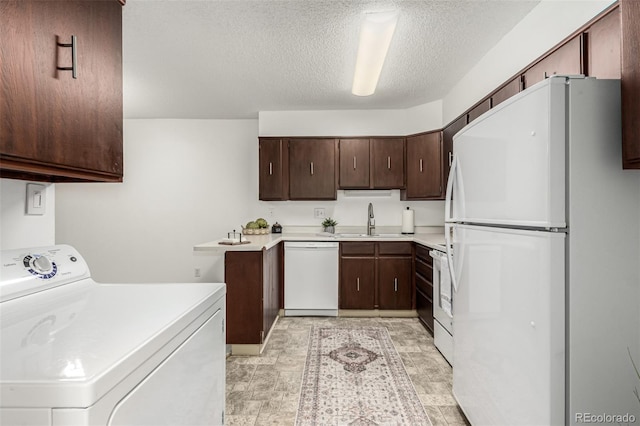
(231, 59)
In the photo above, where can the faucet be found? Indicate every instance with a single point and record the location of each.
(371, 222)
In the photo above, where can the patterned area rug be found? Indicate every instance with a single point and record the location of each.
(354, 376)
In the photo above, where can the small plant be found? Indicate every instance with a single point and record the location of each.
(329, 222)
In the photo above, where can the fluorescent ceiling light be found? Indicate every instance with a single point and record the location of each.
(375, 36)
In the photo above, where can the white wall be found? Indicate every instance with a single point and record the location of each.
(185, 182)
(398, 122)
(544, 27)
(17, 229)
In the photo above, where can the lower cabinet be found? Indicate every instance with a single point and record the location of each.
(357, 283)
(394, 282)
(424, 286)
(376, 275)
(253, 293)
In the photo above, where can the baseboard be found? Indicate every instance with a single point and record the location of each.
(384, 313)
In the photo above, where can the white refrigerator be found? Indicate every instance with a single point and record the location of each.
(545, 229)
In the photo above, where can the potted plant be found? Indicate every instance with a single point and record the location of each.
(329, 225)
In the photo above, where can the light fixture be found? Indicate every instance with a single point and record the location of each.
(375, 37)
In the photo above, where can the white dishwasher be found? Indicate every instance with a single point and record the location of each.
(311, 278)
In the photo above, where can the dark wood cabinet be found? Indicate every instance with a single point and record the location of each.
(566, 59)
(478, 110)
(603, 46)
(354, 163)
(395, 282)
(424, 286)
(253, 281)
(447, 146)
(357, 283)
(376, 275)
(510, 89)
(387, 163)
(55, 127)
(630, 81)
(312, 169)
(424, 167)
(273, 169)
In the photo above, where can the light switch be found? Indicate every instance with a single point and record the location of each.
(36, 199)
(318, 212)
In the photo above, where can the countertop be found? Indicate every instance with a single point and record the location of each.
(260, 242)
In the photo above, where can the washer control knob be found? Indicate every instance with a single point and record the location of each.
(42, 265)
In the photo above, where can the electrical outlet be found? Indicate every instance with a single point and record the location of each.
(318, 213)
(196, 272)
(271, 212)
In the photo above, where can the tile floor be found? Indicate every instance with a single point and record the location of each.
(264, 389)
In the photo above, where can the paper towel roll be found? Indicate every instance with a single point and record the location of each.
(407, 221)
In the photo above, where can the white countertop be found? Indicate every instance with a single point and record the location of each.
(260, 242)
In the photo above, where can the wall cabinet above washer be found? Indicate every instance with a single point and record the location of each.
(61, 124)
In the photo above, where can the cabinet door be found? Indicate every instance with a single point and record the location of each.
(55, 125)
(603, 46)
(271, 286)
(354, 163)
(478, 110)
(394, 282)
(244, 276)
(273, 169)
(424, 167)
(388, 163)
(567, 59)
(505, 92)
(447, 146)
(357, 283)
(312, 166)
(630, 16)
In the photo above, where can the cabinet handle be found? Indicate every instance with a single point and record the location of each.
(74, 56)
(450, 158)
(270, 168)
(358, 283)
(354, 162)
(311, 166)
(395, 284)
(389, 163)
(421, 165)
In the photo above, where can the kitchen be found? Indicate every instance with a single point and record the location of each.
(190, 180)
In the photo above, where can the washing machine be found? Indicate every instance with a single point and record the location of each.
(77, 352)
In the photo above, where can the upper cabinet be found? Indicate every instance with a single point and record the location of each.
(376, 163)
(354, 163)
(447, 142)
(312, 169)
(630, 78)
(273, 169)
(61, 115)
(424, 167)
(387, 163)
(603, 46)
(566, 59)
(506, 91)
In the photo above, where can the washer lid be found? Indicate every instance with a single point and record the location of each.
(69, 345)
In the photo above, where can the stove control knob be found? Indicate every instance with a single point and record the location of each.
(42, 265)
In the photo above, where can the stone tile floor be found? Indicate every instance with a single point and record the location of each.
(264, 390)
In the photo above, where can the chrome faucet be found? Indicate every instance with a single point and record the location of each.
(371, 222)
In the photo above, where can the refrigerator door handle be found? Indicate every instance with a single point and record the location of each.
(449, 192)
(447, 237)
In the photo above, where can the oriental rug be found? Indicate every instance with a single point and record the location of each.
(354, 376)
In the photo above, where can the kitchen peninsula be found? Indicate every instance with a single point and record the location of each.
(254, 274)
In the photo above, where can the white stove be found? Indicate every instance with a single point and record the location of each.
(76, 352)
